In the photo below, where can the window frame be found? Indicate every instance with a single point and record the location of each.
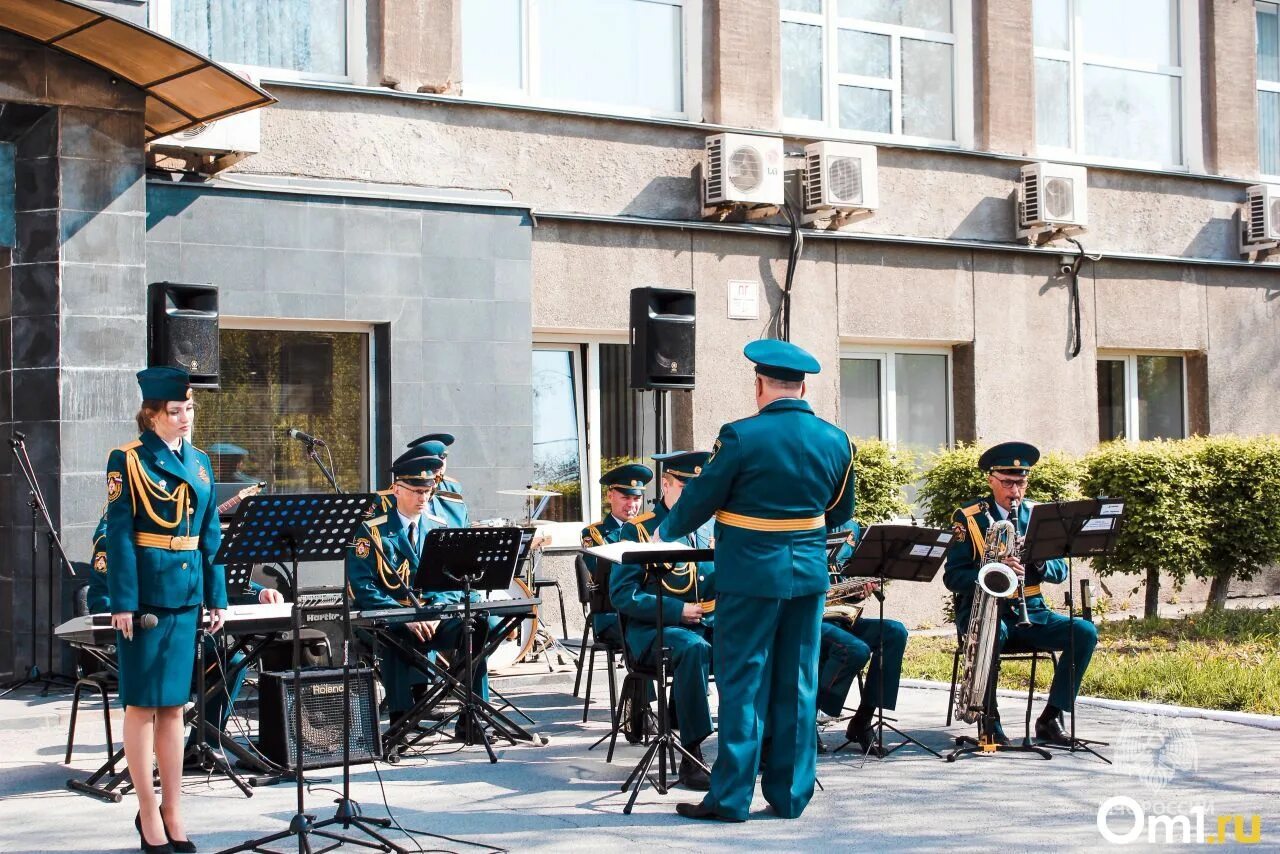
(961, 40)
(1190, 106)
(1130, 358)
(160, 19)
(1272, 86)
(527, 95)
(370, 423)
(888, 403)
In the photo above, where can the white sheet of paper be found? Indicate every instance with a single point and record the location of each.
(937, 551)
(1097, 525)
(944, 538)
(1112, 509)
(613, 552)
(919, 550)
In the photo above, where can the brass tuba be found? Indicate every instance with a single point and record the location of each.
(978, 646)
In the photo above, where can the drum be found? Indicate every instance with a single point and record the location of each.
(519, 643)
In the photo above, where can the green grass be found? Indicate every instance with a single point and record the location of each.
(1223, 660)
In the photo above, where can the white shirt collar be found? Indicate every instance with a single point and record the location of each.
(175, 445)
(406, 521)
(619, 521)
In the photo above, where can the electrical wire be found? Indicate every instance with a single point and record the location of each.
(1073, 300)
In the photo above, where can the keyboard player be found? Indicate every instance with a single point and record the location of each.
(382, 562)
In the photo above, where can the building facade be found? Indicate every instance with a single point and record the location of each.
(453, 198)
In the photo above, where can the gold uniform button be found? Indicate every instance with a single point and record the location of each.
(184, 566)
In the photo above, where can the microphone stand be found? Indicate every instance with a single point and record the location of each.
(314, 455)
(39, 510)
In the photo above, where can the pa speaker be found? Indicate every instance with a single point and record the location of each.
(322, 698)
(182, 330)
(662, 338)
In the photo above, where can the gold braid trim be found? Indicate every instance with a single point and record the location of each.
(391, 579)
(687, 571)
(141, 486)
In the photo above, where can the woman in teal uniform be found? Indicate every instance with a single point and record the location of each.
(162, 535)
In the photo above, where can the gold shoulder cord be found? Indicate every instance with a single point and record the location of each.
(686, 572)
(391, 579)
(142, 487)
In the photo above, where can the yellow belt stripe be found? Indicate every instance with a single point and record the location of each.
(1033, 590)
(708, 606)
(755, 523)
(164, 541)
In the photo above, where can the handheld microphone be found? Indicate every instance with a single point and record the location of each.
(140, 621)
(295, 433)
(19, 435)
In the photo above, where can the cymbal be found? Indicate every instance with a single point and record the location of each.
(527, 493)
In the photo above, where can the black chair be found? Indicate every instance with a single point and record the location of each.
(593, 595)
(636, 672)
(1011, 652)
(99, 682)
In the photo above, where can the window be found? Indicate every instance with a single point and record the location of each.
(281, 39)
(900, 396)
(275, 379)
(586, 420)
(877, 68)
(1268, 88)
(1117, 81)
(630, 56)
(1141, 396)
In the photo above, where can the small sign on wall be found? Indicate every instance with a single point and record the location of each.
(744, 300)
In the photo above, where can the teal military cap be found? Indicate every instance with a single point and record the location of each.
(443, 438)
(164, 383)
(1009, 457)
(629, 479)
(683, 464)
(781, 360)
(416, 469)
(226, 449)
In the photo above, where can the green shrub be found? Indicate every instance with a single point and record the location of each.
(1164, 529)
(881, 473)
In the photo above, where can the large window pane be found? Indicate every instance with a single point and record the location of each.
(622, 52)
(866, 109)
(1269, 133)
(920, 389)
(922, 14)
(273, 380)
(1132, 115)
(1160, 397)
(1053, 103)
(295, 35)
(1111, 399)
(492, 45)
(860, 398)
(927, 89)
(557, 449)
(865, 54)
(1141, 30)
(1269, 42)
(801, 71)
(1051, 21)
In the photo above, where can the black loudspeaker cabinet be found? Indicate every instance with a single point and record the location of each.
(182, 330)
(321, 717)
(662, 338)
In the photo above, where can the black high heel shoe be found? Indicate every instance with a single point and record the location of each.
(144, 845)
(180, 846)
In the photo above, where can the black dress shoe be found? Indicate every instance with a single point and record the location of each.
(181, 846)
(692, 775)
(703, 811)
(1050, 731)
(863, 734)
(147, 847)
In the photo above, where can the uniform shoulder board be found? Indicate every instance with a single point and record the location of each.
(972, 509)
(448, 496)
(376, 521)
(129, 446)
(643, 517)
(444, 522)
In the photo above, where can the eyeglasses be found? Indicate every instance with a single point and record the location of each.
(412, 491)
(1011, 483)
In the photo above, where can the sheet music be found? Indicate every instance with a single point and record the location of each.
(613, 552)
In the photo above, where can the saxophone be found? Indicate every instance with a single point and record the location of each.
(845, 601)
(978, 646)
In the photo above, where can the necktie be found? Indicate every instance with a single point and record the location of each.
(413, 536)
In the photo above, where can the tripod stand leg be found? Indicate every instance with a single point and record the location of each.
(639, 774)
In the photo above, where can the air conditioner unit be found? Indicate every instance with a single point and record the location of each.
(839, 179)
(238, 134)
(742, 170)
(1053, 201)
(1260, 219)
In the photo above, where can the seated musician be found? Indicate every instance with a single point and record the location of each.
(220, 705)
(624, 492)
(1007, 466)
(687, 613)
(845, 649)
(382, 563)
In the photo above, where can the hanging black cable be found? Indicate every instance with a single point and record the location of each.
(1073, 299)
(783, 318)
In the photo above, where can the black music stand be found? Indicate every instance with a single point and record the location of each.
(657, 562)
(239, 577)
(467, 559)
(1089, 527)
(903, 553)
(291, 528)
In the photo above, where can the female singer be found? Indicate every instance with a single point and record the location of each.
(162, 535)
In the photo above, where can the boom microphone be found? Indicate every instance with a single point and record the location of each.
(295, 433)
